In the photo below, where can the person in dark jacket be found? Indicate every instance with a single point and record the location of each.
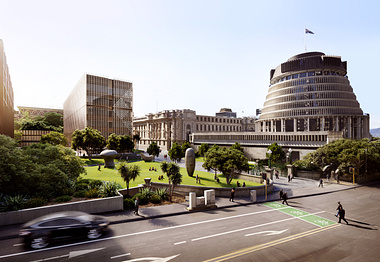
(342, 213)
(232, 194)
(281, 193)
(284, 198)
(136, 212)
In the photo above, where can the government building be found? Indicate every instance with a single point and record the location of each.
(310, 102)
(6, 96)
(101, 103)
(170, 126)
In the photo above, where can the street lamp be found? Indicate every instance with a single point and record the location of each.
(269, 152)
(290, 155)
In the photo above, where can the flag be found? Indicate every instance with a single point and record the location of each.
(307, 31)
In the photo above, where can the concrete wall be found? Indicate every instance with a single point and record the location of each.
(308, 174)
(219, 192)
(90, 206)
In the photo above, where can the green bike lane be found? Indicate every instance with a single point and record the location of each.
(305, 216)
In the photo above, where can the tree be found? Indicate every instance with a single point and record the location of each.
(40, 170)
(342, 154)
(175, 153)
(228, 161)
(128, 173)
(277, 153)
(53, 119)
(185, 146)
(113, 142)
(172, 171)
(202, 150)
(126, 144)
(54, 138)
(238, 147)
(136, 138)
(87, 139)
(153, 149)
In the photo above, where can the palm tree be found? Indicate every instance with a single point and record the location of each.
(128, 173)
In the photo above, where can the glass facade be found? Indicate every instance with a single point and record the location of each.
(101, 103)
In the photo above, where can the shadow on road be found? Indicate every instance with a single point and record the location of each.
(363, 225)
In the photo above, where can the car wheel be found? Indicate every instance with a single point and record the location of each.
(94, 233)
(39, 242)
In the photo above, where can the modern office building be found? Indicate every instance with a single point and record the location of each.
(310, 102)
(171, 126)
(6, 96)
(101, 103)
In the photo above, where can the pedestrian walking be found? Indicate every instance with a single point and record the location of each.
(338, 208)
(289, 178)
(99, 167)
(276, 173)
(232, 195)
(285, 198)
(281, 193)
(320, 183)
(342, 213)
(136, 212)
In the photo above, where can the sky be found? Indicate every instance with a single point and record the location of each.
(200, 55)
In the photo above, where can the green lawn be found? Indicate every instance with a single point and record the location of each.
(207, 179)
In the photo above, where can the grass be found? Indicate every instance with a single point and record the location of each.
(207, 179)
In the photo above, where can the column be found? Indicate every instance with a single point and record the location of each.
(322, 128)
(294, 125)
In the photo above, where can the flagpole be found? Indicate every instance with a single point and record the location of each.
(304, 38)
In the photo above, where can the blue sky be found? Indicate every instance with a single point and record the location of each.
(200, 55)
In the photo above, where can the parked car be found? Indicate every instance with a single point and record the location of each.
(39, 232)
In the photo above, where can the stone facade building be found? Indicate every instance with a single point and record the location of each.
(171, 126)
(310, 102)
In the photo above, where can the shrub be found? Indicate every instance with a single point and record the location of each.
(129, 203)
(35, 202)
(155, 199)
(81, 186)
(92, 193)
(95, 184)
(162, 193)
(110, 189)
(80, 193)
(12, 203)
(143, 200)
(146, 192)
(63, 199)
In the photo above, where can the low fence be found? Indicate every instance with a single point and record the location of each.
(308, 174)
(90, 206)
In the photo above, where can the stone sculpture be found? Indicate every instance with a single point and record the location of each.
(190, 161)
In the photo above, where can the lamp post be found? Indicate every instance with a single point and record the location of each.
(290, 155)
(269, 152)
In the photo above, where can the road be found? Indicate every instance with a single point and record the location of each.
(305, 231)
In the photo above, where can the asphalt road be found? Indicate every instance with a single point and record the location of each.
(305, 231)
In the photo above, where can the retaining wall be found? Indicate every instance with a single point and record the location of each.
(90, 206)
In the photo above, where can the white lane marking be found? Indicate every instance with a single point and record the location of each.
(267, 233)
(153, 259)
(179, 243)
(123, 255)
(247, 228)
(137, 233)
(49, 258)
(16, 245)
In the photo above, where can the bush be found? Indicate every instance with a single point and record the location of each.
(162, 193)
(80, 193)
(63, 199)
(155, 199)
(10, 203)
(95, 184)
(35, 202)
(129, 203)
(92, 193)
(81, 186)
(143, 200)
(110, 189)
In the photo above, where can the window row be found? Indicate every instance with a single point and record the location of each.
(313, 112)
(310, 88)
(313, 103)
(218, 119)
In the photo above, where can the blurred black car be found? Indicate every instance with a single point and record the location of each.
(39, 232)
